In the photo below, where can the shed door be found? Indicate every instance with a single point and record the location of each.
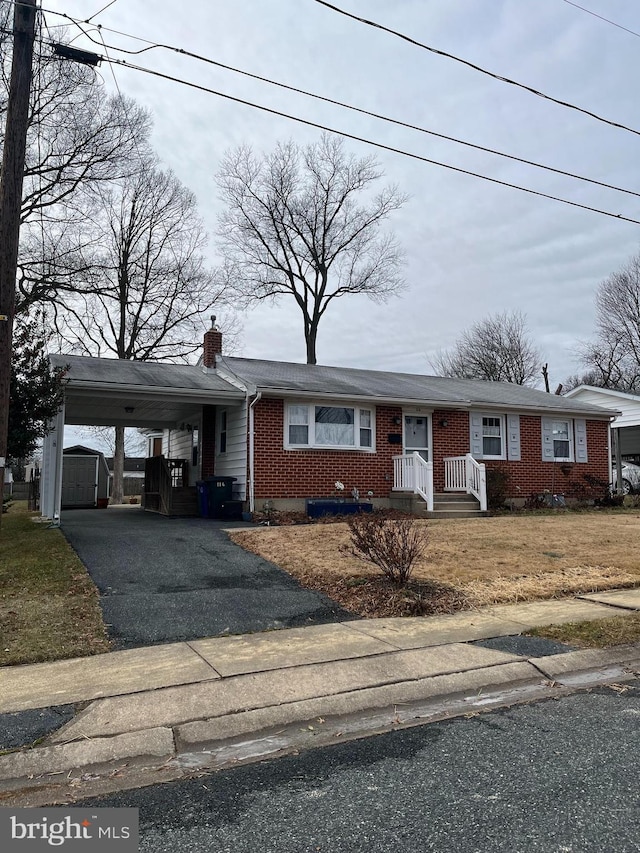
(79, 480)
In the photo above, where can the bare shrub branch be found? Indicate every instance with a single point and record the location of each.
(392, 545)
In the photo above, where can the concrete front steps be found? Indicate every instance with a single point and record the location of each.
(445, 505)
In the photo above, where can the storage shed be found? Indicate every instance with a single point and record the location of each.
(85, 478)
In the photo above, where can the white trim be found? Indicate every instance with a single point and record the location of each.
(252, 405)
(330, 403)
(503, 434)
(570, 433)
(219, 415)
(412, 413)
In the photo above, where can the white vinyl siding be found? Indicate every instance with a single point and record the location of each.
(181, 445)
(233, 462)
(178, 444)
(329, 426)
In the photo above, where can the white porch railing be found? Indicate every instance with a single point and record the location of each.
(412, 474)
(464, 474)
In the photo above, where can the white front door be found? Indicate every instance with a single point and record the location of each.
(416, 435)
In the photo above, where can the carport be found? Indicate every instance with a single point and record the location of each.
(112, 392)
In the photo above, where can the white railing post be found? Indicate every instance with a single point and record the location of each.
(412, 473)
(483, 487)
(429, 486)
(477, 481)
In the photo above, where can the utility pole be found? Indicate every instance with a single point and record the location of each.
(11, 178)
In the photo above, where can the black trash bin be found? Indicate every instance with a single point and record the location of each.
(203, 498)
(219, 489)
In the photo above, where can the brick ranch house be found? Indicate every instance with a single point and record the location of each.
(288, 432)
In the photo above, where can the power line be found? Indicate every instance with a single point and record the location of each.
(607, 20)
(342, 104)
(100, 11)
(371, 142)
(476, 67)
(366, 141)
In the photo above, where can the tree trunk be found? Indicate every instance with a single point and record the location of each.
(117, 496)
(310, 335)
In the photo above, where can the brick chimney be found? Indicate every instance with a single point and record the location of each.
(212, 345)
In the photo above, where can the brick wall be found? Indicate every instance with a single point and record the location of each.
(281, 473)
(530, 474)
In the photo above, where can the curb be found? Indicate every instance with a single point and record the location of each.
(62, 772)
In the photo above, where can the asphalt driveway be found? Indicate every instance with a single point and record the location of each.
(169, 579)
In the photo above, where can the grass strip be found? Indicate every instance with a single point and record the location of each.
(600, 633)
(49, 606)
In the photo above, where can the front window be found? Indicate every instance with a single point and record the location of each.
(335, 426)
(561, 432)
(366, 430)
(492, 437)
(329, 426)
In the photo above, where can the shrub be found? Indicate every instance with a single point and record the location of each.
(393, 545)
(497, 481)
(595, 490)
(537, 501)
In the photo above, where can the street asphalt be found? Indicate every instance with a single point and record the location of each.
(169, 579)
(552, 777)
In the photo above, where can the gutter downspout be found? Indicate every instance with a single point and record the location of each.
(252, 404)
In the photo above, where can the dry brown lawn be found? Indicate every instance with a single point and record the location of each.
(486, 560)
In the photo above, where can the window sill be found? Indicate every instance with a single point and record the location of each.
(330, 447)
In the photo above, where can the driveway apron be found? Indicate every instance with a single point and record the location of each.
(170, 579)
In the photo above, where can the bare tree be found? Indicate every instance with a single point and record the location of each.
(298, 225)
(497, 348)
(78, 140)
(151, 288)
(613, 357)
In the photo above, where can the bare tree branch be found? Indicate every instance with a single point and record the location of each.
(497, 348)
(143, 291)
(612, 359)
(295, 226)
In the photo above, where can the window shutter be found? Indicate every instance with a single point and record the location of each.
(580, 430)
(475, 435)
(513, 438)
(547, 439)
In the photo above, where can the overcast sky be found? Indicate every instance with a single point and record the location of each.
(473, 248)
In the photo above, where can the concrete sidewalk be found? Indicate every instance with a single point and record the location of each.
(195, 706)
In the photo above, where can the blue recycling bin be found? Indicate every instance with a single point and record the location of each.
(203, 498)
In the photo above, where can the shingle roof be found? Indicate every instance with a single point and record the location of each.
(112, 371)
(291, 378)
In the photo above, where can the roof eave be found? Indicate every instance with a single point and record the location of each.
(82, 385)
(465, 405)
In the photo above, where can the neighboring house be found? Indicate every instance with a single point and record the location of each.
(288, 432)
(626, 425)
(85, 478)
